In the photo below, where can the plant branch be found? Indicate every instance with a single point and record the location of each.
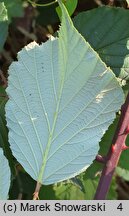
(114, 153)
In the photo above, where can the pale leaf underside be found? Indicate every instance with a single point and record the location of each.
(4, 176)
(62, 99)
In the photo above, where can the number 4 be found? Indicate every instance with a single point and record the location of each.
(120, 207)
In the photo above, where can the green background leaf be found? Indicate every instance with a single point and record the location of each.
(14, 8)
(70, 5)
(3, 24)
(68, 191)
(123, 173)
(107, 30)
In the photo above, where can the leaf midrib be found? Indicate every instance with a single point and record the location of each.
(45, 156)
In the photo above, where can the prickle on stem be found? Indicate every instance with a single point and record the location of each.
(124, 147)
(113, 148)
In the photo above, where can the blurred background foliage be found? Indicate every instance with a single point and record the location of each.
(20, 23)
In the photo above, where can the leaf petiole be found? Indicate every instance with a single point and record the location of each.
(42, 5)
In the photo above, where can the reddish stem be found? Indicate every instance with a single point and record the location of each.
(114, 152)
(36, 193)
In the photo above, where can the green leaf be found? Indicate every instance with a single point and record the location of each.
(67, 191)
(123, 173)
(93, 170)
(70, 5)
(78, 183)
(3, 25)
(47, 193)
(126, 88)
(107, 30)
(4, 176)
(91, 186)
(14, 8)
(62, 100)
